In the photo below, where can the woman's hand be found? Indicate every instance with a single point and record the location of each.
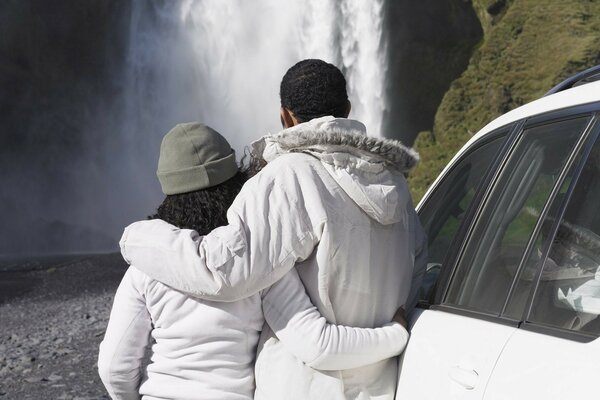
(400, 318)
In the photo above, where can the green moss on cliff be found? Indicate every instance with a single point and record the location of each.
(528, 47)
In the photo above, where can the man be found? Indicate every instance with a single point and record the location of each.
(329, 200)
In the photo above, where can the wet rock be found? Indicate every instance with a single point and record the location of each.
(26, 360)
(35, 379)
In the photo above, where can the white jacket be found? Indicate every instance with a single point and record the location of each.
(335, 203)
(203, 349)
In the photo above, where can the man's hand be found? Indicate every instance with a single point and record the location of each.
(400, 318)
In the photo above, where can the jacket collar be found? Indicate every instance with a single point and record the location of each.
(336, 135)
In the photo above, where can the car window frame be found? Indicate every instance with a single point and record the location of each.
(508, 131)
(576, 152)
(486, 186)
(589, 138)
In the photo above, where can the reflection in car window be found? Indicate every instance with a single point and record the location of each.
(495, 247)
(527, 275)
(443, 213)
(568, 294)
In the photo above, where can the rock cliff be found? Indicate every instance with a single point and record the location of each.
(528, 46)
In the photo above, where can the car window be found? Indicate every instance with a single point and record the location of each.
(568, 292)
(445, 209)
(500, 235)
(527, 274)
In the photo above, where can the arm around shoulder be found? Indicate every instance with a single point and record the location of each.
(269, 229)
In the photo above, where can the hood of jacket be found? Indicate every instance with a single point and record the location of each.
(369, 169)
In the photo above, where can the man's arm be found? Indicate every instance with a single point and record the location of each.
(319, 344)
(125, 342)
(275, 221)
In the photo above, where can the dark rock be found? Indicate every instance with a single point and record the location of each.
(424, 60)
(495, 7)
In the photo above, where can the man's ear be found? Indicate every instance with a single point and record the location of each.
(348, 108)
(287, 118)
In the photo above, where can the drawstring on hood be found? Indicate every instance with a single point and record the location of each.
(368, 169)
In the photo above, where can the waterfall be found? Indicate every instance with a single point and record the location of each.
(216, 61)
(221, 62)
(90, 95)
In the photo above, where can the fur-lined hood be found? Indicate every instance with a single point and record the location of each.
(336, 135)
(370, 170)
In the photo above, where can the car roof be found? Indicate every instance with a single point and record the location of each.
(579, 95)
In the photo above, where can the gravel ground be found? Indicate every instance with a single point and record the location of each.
(53, 313)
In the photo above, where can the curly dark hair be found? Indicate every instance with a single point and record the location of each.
(313, 88)
(201, 210)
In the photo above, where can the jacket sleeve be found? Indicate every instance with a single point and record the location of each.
(319, 344)
(269, 229)
(127, 336)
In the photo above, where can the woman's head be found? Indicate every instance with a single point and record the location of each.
(201, 210)
(198, 173)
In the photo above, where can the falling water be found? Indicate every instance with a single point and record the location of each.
(222, 61)
(216, 61)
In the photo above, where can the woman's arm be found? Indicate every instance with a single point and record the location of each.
(126, 339)
(319, 344)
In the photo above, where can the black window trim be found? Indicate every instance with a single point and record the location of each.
(561, 333)
(478, 314)
(485, 187)
(563, 113)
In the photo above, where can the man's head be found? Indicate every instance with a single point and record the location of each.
(311, 89)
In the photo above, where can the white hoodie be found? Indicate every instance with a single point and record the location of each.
(335, 203)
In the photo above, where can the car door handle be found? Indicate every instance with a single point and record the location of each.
(466, 378)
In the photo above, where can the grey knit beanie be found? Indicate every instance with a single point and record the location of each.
(194, 156)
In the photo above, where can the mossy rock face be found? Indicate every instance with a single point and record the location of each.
(528, 47)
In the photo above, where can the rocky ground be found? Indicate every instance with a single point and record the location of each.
(53, 313)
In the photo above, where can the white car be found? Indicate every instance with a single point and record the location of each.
(511, 300)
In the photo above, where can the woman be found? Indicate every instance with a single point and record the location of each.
(203, 349)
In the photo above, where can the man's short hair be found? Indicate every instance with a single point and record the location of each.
(313, 88)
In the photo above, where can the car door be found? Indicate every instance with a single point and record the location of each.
(555, 354)
(456, 339)
(434, 351)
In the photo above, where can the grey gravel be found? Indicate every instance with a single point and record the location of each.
(52, 319)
